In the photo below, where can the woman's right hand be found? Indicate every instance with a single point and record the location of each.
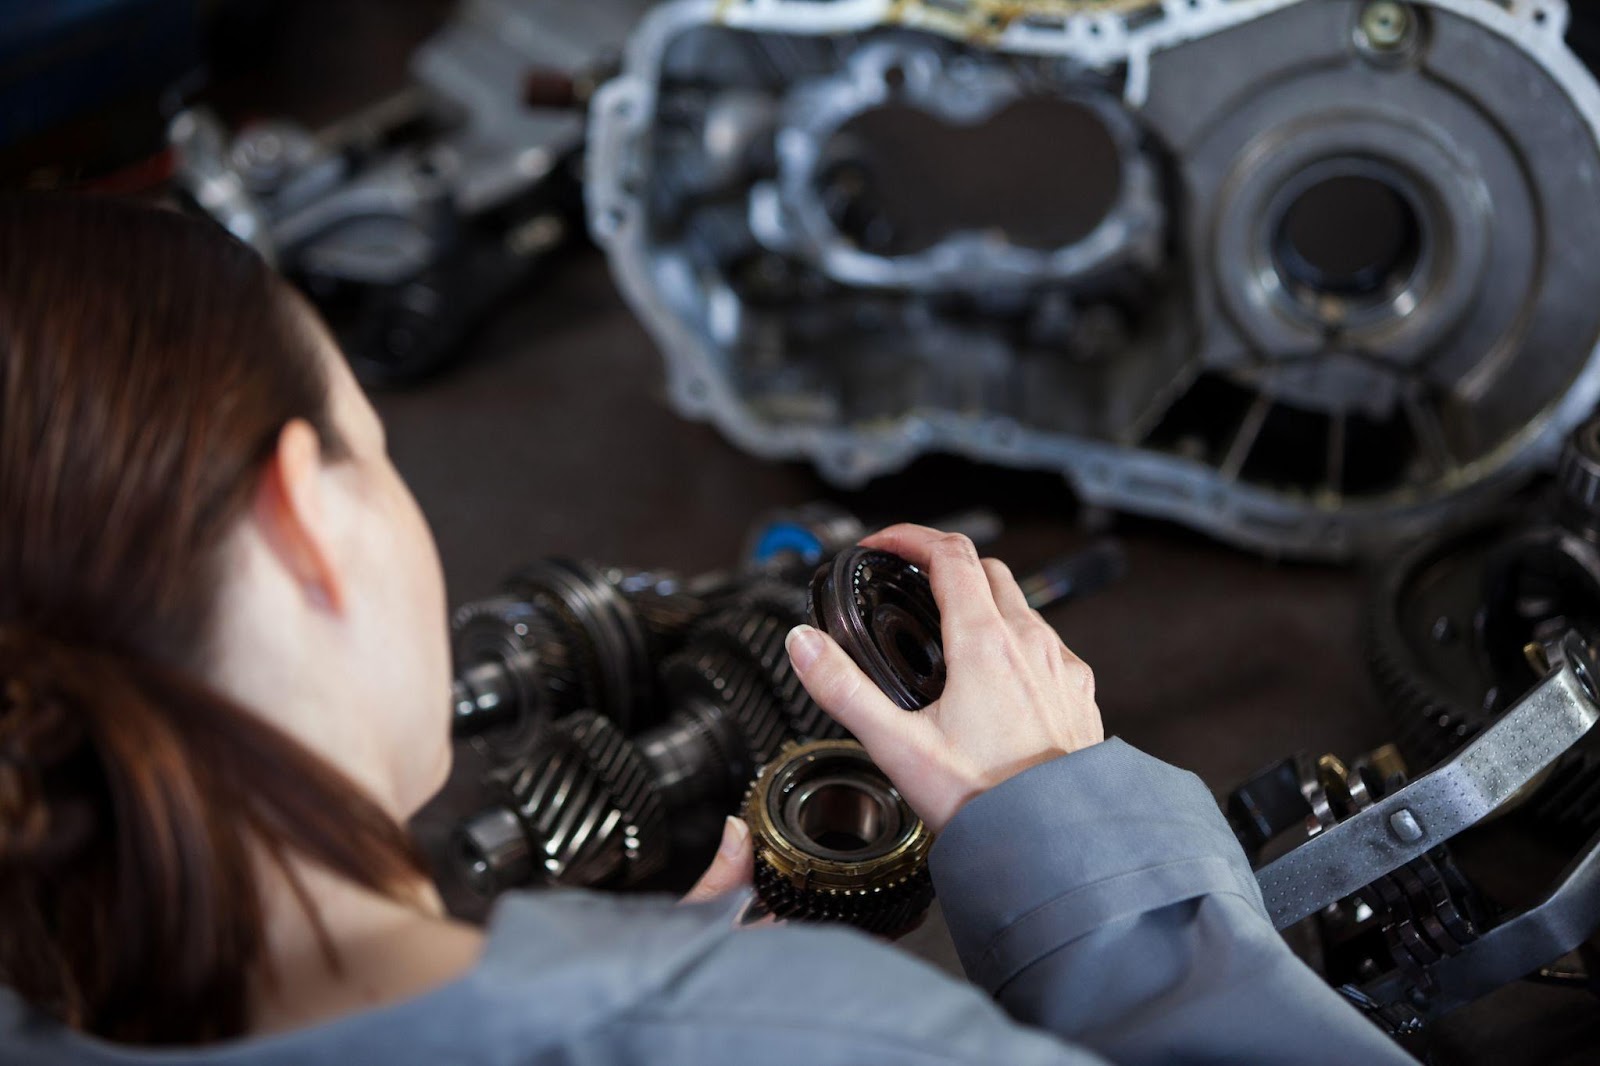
(1014, 695)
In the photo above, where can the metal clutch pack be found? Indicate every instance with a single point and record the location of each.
(1309, 275)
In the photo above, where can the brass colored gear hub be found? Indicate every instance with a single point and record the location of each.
(836, 842)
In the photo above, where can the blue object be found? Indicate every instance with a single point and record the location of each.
(783, 538)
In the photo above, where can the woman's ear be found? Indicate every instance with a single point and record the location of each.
(291, 511)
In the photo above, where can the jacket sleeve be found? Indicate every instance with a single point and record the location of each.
(1103, 897)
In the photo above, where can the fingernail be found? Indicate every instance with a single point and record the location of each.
(734, 832)
(804, 644)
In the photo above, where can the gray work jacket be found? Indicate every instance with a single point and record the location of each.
(1099, 898)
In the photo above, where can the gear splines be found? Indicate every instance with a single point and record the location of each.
(732, 699)
(836, 842)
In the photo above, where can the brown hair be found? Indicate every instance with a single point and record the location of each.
(148, 363)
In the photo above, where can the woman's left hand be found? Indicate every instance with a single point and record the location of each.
(731, 869)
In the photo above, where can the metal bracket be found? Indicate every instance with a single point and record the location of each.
(1563, 921)
(1455, 796)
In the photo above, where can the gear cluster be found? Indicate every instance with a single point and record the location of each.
(616, 704)
(609, 699)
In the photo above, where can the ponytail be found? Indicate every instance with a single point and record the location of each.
(135, 805)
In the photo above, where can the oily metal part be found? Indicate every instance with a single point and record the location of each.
(1460, 793)
(588, 804)
(407, 221)
(835, 842)
(580, 809)
(604, 630)
(514, 669)
(1195, 349)
(1463, 625)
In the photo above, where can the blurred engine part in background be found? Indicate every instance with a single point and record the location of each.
(406, 222)
(1313, 277)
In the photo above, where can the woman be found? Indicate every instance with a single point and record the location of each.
(223, 689)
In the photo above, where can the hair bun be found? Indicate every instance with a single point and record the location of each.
(41, 735)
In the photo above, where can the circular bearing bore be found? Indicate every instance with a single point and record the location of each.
(881, 611)
(836, 842)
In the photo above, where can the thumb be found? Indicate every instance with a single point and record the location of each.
(841, 689)
(732, 868)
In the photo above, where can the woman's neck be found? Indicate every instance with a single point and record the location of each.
(384, 950)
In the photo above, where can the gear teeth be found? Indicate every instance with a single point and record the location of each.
(1430, 727)
(758, 636)
(502, 626)
(666, 608)
(887, 910)
(1428, 730)
(590, 805)
(882, 886)
(742, 693)
(610, 645)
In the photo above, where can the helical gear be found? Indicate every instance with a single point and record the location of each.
(754, 632)
(734, 685)
(668, 605)
(585, 805)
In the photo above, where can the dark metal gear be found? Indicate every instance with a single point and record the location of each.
(580, 808)
(608, 640)
(514, 671)
(668, 604)
(1461, 627)
(836, 842)
(736, 698)
(753, 631)
(717, 676)
(881, 611)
